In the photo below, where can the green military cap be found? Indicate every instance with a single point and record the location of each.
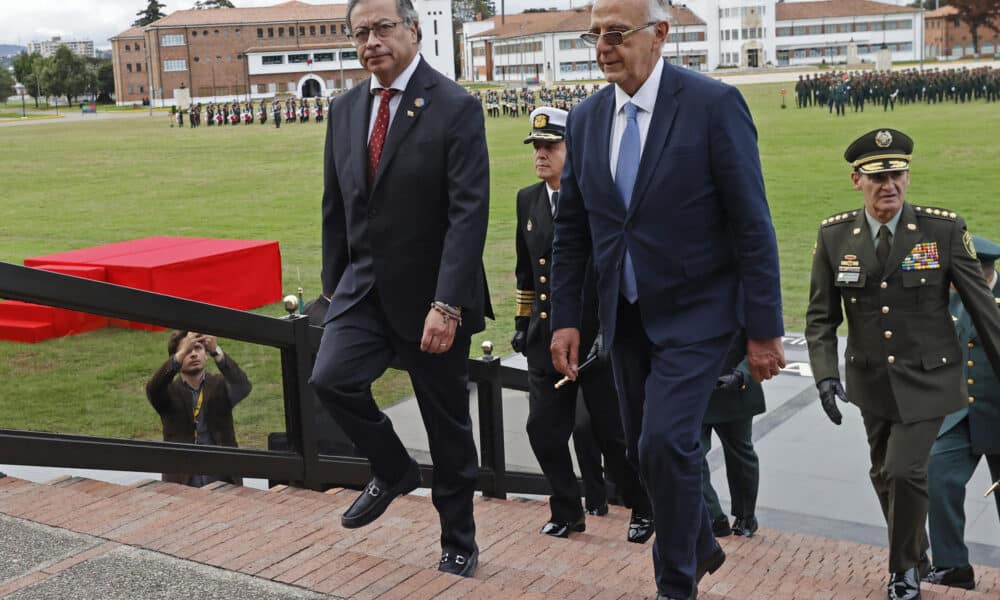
(880, 150)
(986, 250)
(547, 124)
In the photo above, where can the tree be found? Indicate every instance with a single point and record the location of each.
(66, 74)
(6, 84)
(27, 70)
(104, 78)
(149, 14)
(978, 14)
(463, 11)
(210, 4)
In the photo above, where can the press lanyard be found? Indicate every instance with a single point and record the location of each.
(197, 411)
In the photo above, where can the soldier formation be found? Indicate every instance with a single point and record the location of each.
(838, 90)
(234, 113)
(518, 102)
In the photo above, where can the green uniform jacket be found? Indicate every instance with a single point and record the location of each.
(903, 358)
(983, 408)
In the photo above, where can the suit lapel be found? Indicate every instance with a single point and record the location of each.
(360, 114)
(906, 236)
(604, 116)
(414, 101)
(659, 131)
(541, 215)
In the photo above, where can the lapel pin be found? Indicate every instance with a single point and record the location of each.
(529, 225)
(419, 102)
(409, 113)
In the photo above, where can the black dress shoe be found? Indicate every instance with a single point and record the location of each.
(960, 577)
(745, 526)
(376, 496)
(462, 564)
(721, 528)
(561, 529)
(640, 528)
(710, 564)
(923, 565)
(692, 596)
(904, 586)
(598, 511)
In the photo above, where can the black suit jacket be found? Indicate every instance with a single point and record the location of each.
(533, 272)
(416, 232)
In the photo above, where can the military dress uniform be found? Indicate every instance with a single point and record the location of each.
(903, 360)
(551, 414)
(966, 436)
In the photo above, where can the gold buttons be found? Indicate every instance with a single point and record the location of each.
(542, 279)
(543, 297)
(944, 360)
(888, 335)
(923, 280)
(970, 381)
(854, 300)
(970, 364)
(885, 310)
(852, 358)
(971, 399)
(892, 359)
(971, 345)
(884, 285)
(541, 261)
(543, 315)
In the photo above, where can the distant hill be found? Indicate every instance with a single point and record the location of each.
(11, 49)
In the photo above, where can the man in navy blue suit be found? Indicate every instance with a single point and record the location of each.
(663, 186)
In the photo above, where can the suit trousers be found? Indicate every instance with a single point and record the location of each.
(664, 392)
(551, 421)
(952, 465)
(899, 456)
(588, 456)
(742, 468)
(356, 349)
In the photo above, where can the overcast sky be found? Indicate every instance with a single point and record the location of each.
(25, 21)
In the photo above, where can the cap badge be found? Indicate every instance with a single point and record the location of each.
(883, 139)
(541, 121)
(529, 227)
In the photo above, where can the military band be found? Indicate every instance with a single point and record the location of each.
(291, 110)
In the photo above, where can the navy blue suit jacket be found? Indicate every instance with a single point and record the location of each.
(698, 228)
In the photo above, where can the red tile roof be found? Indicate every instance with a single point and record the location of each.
(293, 10)
(790, 11)
(945, 11)
(133, 32)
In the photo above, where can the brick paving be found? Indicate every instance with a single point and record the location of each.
(293, 536)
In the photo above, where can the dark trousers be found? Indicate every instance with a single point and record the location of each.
(551, 421)
(588, 456)
(664, 392)
(356, 349)
(742, 468)
(952, 465)
(899, 457)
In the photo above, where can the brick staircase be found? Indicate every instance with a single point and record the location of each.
(293, 536)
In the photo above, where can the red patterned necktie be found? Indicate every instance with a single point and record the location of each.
(379, 130)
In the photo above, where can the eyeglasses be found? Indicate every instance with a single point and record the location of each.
(382, 31)
(612, 38)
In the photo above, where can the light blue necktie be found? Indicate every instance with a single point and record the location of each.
(625, 173)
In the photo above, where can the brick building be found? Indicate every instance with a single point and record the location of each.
(288, 49)
(947, 36)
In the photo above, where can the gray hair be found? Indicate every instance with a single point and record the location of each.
(404, 9)
(659, 10)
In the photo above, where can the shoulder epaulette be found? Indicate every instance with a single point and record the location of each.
(941, 213)
(844, 217)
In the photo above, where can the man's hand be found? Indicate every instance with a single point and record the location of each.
(765, 357)
(439, 333)
(185, 345)
(829, 390)
(518, 341)
(315, 310)
(208, 341)
(565, 350)
(730, 382)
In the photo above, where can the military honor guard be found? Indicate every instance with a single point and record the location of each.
(965, 437)
(319, 110)
(889, 265)
(276, 113)
(262, 113)
(552, 412)
(735, 401)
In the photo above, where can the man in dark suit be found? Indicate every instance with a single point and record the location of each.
(552, 412)
(965, 437)
(405, 210)
(662, 185)
(889, 266)
(735, 401)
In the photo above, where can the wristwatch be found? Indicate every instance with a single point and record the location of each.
(218, 352)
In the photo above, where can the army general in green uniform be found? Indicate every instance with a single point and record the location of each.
(888, 266)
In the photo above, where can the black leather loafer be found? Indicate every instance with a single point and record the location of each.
(598, 511)
(640, 528)
(561, 529)
(376, 496)
(745, 526)
(904, 586)
(721, 528)
(959, 577)
(459, 563)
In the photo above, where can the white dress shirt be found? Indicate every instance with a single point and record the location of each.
(645, 100)
(552, 205)
(399, 84)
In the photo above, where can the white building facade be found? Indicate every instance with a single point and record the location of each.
(49, 47)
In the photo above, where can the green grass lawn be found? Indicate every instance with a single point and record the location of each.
(72, 185)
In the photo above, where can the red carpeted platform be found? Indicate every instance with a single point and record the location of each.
(240, 274)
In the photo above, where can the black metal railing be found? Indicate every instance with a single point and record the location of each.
(302, 463)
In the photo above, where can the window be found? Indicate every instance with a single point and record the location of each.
(297, 58)
(272, 60)
(216, 32)
(138, 67)
(343, 29)
(281, 32)
(270, 32)
(141, 89)
(194, 34)
(569, 44)
(272, 88)
(323, 57)
(435, 26)
(322, 29)
(131, 89)
(172, 40)
(312, 30)
(349, 55)
(128, 67)
(128, 48)
(179, 64)
(436, 53)
(291, 32)
(260, 33)
(196, 59)
(290, 86)
(302, 30)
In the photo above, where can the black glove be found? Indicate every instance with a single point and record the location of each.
(316, 310)
(730, 382)
(519, 341)
(597, 349)
(829, 390)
